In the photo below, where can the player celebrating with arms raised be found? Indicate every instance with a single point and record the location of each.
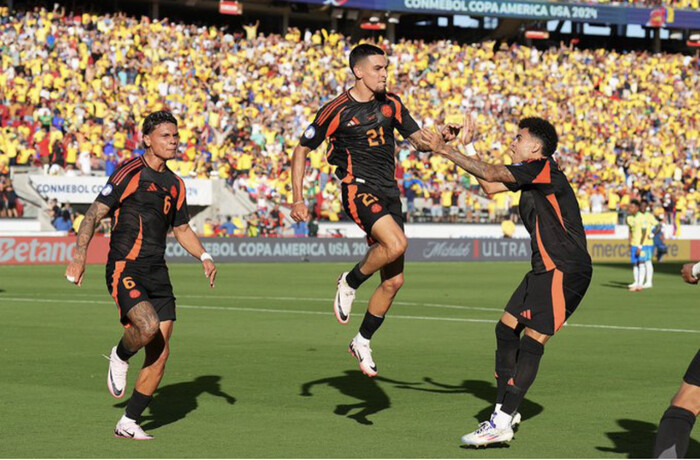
(360, 124)
(145, 199)
(561, 266)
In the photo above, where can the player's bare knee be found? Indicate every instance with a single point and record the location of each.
(393, 284)
(688, 398)
(396, 248)
(149, 329)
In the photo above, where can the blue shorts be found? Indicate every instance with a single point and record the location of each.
(644, 255)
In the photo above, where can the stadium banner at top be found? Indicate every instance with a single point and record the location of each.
(541, 10)
(84, 189)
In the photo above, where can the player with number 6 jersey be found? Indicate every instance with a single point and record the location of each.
(144, 199)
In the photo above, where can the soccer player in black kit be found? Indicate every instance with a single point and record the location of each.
(561, 267)
(145, 199)
(676, 424)
(360, 127)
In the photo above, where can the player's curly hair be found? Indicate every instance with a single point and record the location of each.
(362, 51)
(156, 118)
(542, 130)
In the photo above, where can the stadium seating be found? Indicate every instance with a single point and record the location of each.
(75, 90)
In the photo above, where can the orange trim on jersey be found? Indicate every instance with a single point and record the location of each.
(328, 111)
(136, 248)
(116, 218)
(118, 269)
(334, 124)
(129, 166)
(131, 187)
(510, 382)
(548, 262)
(558, 300)
(352, 193)
(181, 194)
(552, 198)
(397, 105)
(545, 176)
(349, 177)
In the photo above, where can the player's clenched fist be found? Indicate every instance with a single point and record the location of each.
(74, 272)
(687, 273)
(300, 212)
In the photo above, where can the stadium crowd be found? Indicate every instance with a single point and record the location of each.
(74, 90)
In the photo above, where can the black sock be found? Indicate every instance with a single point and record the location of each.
(355, 278)
(674, 433)
(507, 346)
(529, 357)
(137, 404)
(122, 352)
(370, 324)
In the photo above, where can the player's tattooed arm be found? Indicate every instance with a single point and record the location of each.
(76, 269)
(482, 170)
(93, 217)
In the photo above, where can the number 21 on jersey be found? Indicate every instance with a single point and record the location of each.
(372, 136)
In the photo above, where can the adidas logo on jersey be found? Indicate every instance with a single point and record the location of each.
(152, 188)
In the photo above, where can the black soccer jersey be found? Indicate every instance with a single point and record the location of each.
(361, 137)
(550, 212)
(144, 204)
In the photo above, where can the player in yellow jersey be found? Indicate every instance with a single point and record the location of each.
(650, 222)
(635, 222)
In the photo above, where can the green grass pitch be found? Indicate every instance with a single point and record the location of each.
(259, 366)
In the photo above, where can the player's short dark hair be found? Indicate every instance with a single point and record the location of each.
(157, 118)
(635, 202)
(362, 51)
(542, 130)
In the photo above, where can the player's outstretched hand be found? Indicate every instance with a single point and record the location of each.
(300, 212)
(468, 130)
(209, 271)
(687, 274)
(75, 272)
(432, 139)
(450, 132)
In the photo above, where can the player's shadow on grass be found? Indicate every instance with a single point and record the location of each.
(174, 402)
(486, 391)
(637, 440)
(617, 284)
(356, 385)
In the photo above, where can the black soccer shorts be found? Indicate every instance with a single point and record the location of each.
(130, 284)
(544, 301)
(366, 206)
(692, 375)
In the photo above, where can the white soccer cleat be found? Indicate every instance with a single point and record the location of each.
(516, 420)
(363, 353)
(647, 286)
(635, 288)
(116, 376)
(487, 434)
(630, 286)
(127, 428)
(342, 304)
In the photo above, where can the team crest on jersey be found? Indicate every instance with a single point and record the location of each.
(173, 191)
(310, 132)
(387, 111)
(106, 190)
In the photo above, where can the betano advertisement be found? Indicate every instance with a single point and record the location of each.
(59, 250)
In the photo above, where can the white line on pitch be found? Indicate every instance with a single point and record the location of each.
(306, 312)
(304, 299)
